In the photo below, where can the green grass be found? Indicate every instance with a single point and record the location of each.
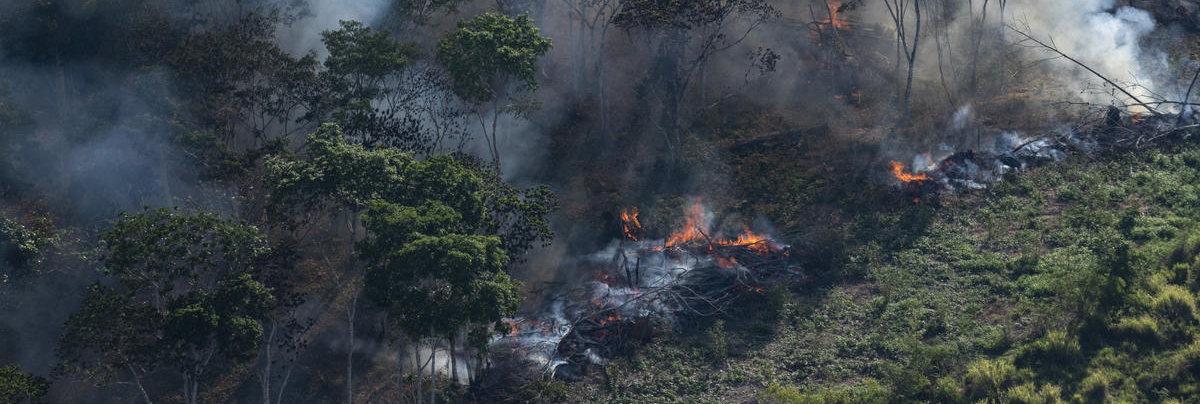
(1072, 283)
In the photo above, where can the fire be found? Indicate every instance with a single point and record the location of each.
(629, 222)
(695, 229)
(833, 16)
(749, 239)
(611, 318)
(898, 172)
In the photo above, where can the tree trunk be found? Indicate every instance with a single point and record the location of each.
(912, 59)
(138, 381)
(350, 349)
(432, 369)
(400, 370)
(265, 373)
(419, 372)
(453, 360)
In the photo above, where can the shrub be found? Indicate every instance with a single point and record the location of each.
(715, 342)
(1177, 308)
(986, 378)
(1099, 386)
(1056, 350)
(1028, 393)
(1143, 329)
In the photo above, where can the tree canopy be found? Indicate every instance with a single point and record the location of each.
(490, 49)
(185, 293)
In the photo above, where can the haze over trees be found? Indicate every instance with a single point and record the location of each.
(283, 201)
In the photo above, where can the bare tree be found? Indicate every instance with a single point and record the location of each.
(899, 11)
(593, 18)
(687, 34)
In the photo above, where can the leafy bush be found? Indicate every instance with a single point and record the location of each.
(1028, 393)
(1056, 350)
(988, 377)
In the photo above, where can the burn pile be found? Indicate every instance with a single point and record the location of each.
(955, 171)
(639, 284)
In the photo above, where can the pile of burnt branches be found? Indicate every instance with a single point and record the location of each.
(708, 279)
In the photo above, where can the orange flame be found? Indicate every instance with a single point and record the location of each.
(629, 222)
(833, 14)
(605, 320)
(695, 229)
(898, 172)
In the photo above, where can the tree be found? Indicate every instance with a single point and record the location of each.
(382, 95)
(456, 196)
(899, 11)
(431, 262)
(240, 84)
(411, 14)
(185, 294)
(493, 58)
(688, 35)
(19, 388)
(592, 16)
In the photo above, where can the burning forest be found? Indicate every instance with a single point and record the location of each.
(596, 201)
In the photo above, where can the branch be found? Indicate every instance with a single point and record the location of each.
(1137, 100)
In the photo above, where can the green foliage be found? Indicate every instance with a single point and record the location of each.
(989, 377)
(336, 176)
(158, 248)
(17, 387)
(486, 52)
(187, 292)
(867, 392)
(1007, 297)
(20, 251)
(238, 81)
(543, 392)
(358, 54)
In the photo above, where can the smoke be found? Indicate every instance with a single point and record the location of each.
(304, 34)
(1107, 38)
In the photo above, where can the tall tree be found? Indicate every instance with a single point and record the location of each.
(899, 11)
(184, 295)
(382, 94)
(687, 34)
(240, 84)
(492, 60)
(338, 180)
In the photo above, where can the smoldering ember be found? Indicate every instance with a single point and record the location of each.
(599, 201)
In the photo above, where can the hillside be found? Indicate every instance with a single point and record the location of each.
(599, 201)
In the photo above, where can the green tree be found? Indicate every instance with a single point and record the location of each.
(239, 83)
(493, 58)
(411, 14)
(184, 294)
(18, 388)
(441, 205)
(368, 88)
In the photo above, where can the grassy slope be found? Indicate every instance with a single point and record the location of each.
(1074, 282)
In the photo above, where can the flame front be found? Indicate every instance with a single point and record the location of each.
(833, 17)
(695, 228)
(898, 172)
(629, 222)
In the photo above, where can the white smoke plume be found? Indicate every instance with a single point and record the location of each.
(1098, 33)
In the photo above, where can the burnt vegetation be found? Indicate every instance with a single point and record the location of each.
(617, 201)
